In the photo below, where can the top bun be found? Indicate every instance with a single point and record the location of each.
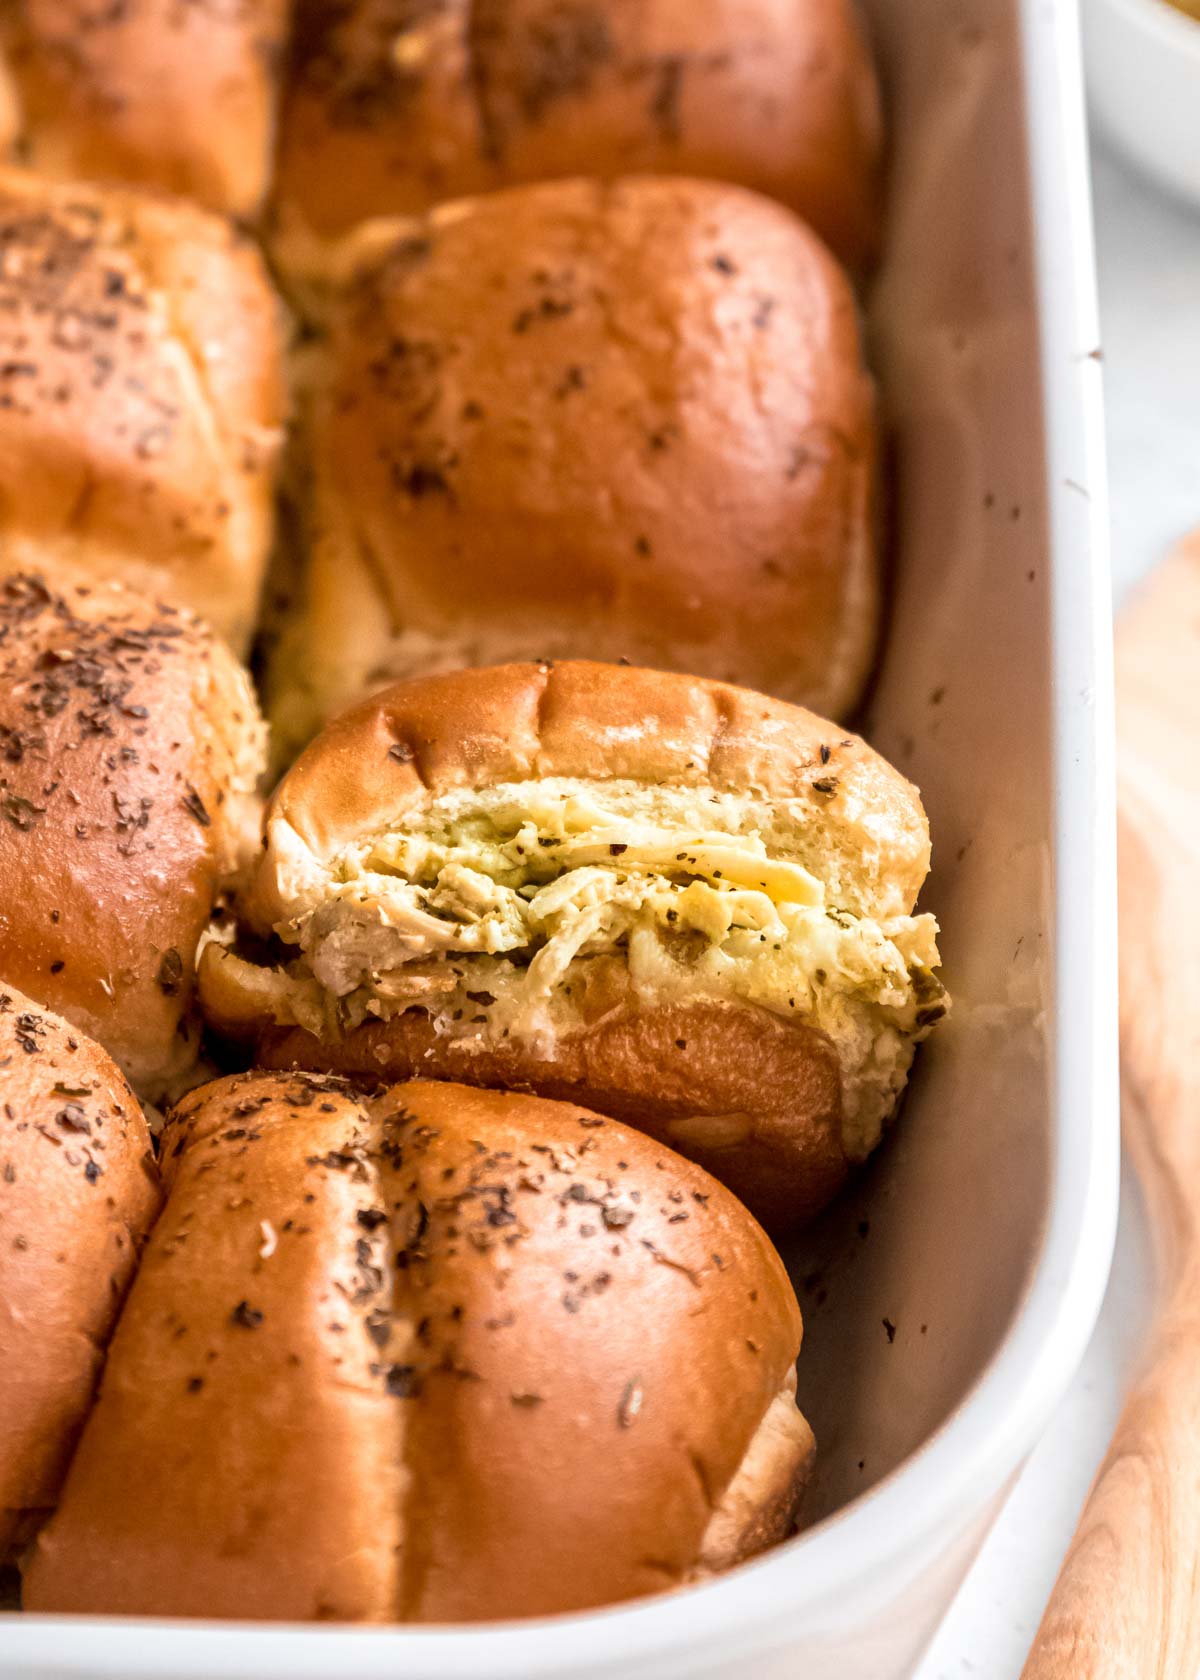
(141, 396)
(148, 91)
(78, 1192)
(824, 798)
(391, 110)
(434, 1355)
(130, 746)
(613, 421)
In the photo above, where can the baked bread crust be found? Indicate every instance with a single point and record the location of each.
(141, 395)
(149, 92)
(754, 1100)
(453, 1354)
(625, 421)
(397, 751)
(390, 112)
(130, 746)
(78, 1192)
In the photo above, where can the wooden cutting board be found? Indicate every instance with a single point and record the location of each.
(1127, 1603)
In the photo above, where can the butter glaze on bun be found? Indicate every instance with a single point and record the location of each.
(436, 1355)
(141, 395)
(130, 747)
(624, 422)
(675, 900)
(78, 1191)
(391, 110)
(151, 92)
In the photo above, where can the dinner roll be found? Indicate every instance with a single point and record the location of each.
(393, 109)
(130, 746)
(626, 421)
(153, 92)
(438, 1355)
(141, 402)
(78, 1190)
(674, 900)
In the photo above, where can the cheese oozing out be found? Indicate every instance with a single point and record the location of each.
(530, 910)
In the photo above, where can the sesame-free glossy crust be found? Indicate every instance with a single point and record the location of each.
(78, 1191)
(432, 1355)
(392, 755)
(755, 1100)
(150, 92)
(141, 397)
(130, 742)
(624, 421)
(391, 110)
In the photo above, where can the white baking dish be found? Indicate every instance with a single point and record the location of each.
(949, 1298)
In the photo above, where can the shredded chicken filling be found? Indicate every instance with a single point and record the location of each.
(511, 921)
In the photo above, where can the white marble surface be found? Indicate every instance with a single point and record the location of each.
(1149, 255)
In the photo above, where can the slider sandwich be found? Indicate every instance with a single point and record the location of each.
(679, 902)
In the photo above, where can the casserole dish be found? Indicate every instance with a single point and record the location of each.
(949, 1297)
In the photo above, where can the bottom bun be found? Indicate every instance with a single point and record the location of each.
(761, 1503)
(754, 1100)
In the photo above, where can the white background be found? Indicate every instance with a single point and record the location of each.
(1149, 256)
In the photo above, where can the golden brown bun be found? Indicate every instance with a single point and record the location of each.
(141, 402)
(130, 745)
(627, 422)
(391, 110)
(579, 719)
(78, 1191)
(440, 1355)
(153, 92)
(754, 1100)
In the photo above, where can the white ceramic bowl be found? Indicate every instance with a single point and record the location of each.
(1143, 65)
(982, 1233)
